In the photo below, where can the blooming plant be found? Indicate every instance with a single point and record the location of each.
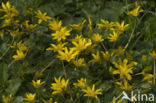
(76, 51)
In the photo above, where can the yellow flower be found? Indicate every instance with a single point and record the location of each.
(41, 16)
(38, 74)
(57, 47)
(22, 47)
(13, 45)
(28, 26)
(10, 11)
(121, 27)
(55, 24)
(8, 99)
(90, 25)
(106, 24)
(81, 83)
(124, 69)
(7, 22)
(119, 51)
(147, 68)
(135, 12)
(153, 55)
(29, 11)
(37, 83)
(144, 58)
(77, 38)
(78, 27)
(67, 55)
(79, 62)
(60, 85)
(124, 85)
(97, 38)
(49, 101)
(113, 37)
(15, 33)
(96, 57)
(148, 77)
(20, 55)
(107, 55)
(82, 44)
(6, 8)
(90, 48)
(61, 34)
(30, 97)
(91, 92)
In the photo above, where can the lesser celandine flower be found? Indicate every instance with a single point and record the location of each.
(15, 33)
(153, 55)
(91, 92)
(19, 56)
(29, 11)
(113, 37)
(38, 74)
(7, 99)
(106, 24)
(97, 38)
(124, 69)
(96, 58)
(77, 38)
(37, 83)
(61, 34)
(10, 11)
(21, 46)
(49, 101)
(106, 55)
(79, 62)
(121, 27)
(81, 83)
(82, 44)
(55, 24)
(67, 55)
(135, 12)
(30, 97)
(60, 85)
(58, 47)
(78, 27)
(41, 16)
(119, 51)
(29, 27)
(124, 85)
(147, 76)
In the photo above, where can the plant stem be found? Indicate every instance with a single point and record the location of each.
(7, 49)
(130, 38)
(104, 46)
(47, 66)
(66, 76)
(154, 72)
(12, 62)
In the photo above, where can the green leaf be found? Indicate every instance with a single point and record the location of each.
(14, 85)
(3, 72)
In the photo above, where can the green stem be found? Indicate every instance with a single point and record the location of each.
(12, 62)
(104, 46)
(130, 38)
(7, 49)
(154, 72)
(47, 66)
(66, 76)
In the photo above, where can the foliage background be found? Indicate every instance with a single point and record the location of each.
(17, 79)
